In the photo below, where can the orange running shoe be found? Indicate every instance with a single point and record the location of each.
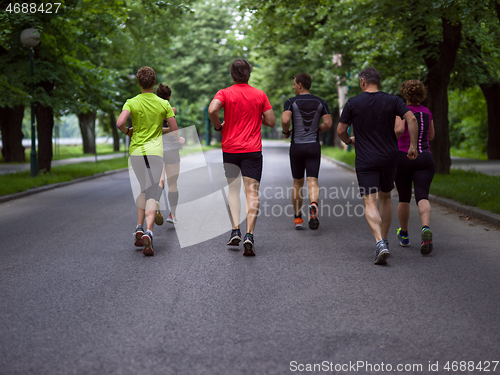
(298, 222)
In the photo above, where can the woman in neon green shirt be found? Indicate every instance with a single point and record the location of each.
(146, 149)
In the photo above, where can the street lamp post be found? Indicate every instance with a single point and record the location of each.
(30, 38)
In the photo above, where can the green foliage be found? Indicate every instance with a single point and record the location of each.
(468, 120)
(198, 60)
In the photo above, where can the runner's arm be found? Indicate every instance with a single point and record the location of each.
(430, 137)
(269, 119)
(286, 118)
(399, 126)
(213, 113)
(342, 133)
(413, 130)
(122, 120)
(327, 123)
(172, 126)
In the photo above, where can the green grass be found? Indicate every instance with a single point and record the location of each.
(468, 154)
(339, 154)
(466, 187)
(470, 188)
(21, 181)
(73, 151)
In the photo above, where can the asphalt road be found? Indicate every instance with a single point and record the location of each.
(76, 297)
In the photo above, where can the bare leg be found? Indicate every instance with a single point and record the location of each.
(297, 195)
(385, 212)
(373, 216)
(233, 199)
(403, 215)
(140, 209)
(312, 185)
(424, 208)
(150, 213)
(172, 171)
(252, 207)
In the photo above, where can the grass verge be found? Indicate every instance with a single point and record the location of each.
(339, 154)
(470, 188)
(466, 187)
(21, 181)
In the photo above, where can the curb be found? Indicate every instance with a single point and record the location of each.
(41, 189)
(474, 212)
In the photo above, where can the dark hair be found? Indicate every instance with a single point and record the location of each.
(413, 91)
(146, 77)
(240, 71)
(304, 79)
(163, 91)
(371, 76)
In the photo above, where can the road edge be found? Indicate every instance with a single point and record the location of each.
(470, 211)
(7, 198)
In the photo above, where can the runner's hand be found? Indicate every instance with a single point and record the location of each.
(181, 140)
(412, 153)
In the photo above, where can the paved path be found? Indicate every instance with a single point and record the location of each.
(78, 298)
(16, 167)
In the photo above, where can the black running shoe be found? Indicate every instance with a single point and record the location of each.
(248, 245)
(313, 217)
(147, 241)
(139, 232)
(235, 238)
(382, 253)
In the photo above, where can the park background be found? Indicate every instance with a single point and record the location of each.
(85, 64)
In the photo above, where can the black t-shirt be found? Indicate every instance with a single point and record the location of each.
(372, 115)
(307, 112)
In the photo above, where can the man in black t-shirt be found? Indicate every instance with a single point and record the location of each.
(306, 111)
(372, 115)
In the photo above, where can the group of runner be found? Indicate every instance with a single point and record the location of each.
(378, 120)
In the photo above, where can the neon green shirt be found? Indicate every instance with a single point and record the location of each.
(148, 112)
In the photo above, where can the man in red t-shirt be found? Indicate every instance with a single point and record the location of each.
(245, 110)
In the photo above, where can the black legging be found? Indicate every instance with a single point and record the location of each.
(419, 171)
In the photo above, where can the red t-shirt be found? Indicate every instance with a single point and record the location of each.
(243, 108)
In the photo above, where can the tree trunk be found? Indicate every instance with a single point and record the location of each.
(11, 123)
(87, 127)
(114, 130)
(44, 126)
(438, 78)
(491, 93)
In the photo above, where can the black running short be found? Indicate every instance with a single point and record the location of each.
(374, 179)
(419, 171)
(305, 157)
(249, 163)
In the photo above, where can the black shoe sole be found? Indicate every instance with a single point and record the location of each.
(234, 241)
(148, 246)
(248, 249)
(314, 223)
(382, 257)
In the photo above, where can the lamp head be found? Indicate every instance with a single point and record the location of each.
(30, 37)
